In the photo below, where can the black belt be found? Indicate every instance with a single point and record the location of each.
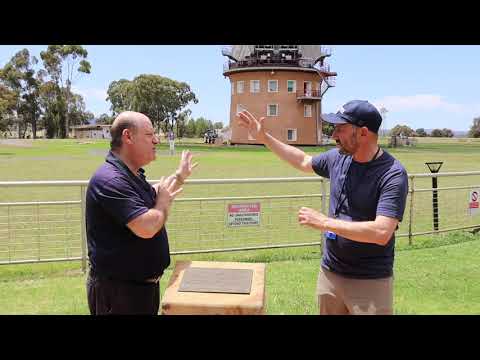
(153, 280)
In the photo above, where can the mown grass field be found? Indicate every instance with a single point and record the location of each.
(59, 287)
(442, 279)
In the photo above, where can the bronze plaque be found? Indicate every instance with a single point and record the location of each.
(214, 280)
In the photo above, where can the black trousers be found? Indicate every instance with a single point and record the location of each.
(117, 297)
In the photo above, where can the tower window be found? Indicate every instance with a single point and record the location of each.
(254, 86)
(291, 86)
(292, 134)
(272, 85)
(307, 110)
(240, 108)
(240, 85)
(272, 110)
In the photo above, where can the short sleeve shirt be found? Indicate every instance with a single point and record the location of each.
(115, 196)
(360, 192)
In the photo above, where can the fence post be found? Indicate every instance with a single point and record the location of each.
(38, 234)
(83, 226)
(411, 212)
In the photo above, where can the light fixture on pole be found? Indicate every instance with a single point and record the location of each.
(434, 167)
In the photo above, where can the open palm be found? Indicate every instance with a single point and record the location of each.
(185, 167)
(250, 122)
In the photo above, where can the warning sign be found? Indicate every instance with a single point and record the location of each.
(473, 203)
(244, 214)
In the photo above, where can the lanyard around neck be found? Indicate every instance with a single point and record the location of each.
(339, 205)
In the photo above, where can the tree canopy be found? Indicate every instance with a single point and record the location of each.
(421, 132)
(160, 98)
(44, 96)
(402, 130)
(475, 128)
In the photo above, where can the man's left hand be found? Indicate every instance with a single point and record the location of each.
(185, 167)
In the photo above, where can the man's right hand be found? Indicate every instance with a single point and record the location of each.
(165, 193)
(255, 127)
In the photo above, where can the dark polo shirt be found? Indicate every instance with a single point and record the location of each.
(115, 196)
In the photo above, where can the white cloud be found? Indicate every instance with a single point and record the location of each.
(91, 93)
(428, 111)
(420, 102)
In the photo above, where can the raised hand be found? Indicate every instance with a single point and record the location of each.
(255, 127)
(185, 167)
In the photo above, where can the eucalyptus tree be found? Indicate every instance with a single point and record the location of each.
(64, 64)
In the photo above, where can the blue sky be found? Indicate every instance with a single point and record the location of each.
(421, 86)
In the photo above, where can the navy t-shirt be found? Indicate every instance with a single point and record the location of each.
(115, 196)
(378, 187)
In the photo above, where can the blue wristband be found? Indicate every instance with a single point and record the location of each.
(330, 235)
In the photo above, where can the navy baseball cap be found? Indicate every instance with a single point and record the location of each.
(356, 112)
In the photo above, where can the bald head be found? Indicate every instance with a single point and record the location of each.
(130, 120)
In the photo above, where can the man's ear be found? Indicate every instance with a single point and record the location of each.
(363, 131)
(127, 136)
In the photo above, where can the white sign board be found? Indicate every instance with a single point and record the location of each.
(473, 201)
(244, 214)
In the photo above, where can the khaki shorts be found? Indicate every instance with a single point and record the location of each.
(338, 295)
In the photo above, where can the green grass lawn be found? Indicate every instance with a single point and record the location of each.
(428, 280)
(437, 274)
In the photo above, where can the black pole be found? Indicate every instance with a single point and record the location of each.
(435, 204)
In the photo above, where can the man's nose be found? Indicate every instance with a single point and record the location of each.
(155, 139)
(335, 134)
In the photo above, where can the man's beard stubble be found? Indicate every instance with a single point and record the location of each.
(341, 149)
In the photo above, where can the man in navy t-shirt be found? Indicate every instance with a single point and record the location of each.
(368, 191)
(125, 221)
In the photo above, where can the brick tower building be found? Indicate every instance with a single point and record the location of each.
(284, 83)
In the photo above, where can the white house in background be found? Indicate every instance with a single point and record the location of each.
(225, 134)
(91, 131)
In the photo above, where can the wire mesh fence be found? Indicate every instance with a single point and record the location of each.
(45, 221)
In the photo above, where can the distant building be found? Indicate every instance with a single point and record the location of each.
(284, 83)
(225, 134)
(91, 131)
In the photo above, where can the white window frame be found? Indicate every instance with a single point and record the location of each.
(240, 108)
(268, 86)
(294, 138)
(242, 88)
(305, 107)
(252, 87)
(268, 109)
(294, 86)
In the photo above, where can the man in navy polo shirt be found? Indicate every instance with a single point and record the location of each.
(368, 191)
(125, 221)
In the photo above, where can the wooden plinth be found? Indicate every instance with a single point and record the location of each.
(175, 302)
